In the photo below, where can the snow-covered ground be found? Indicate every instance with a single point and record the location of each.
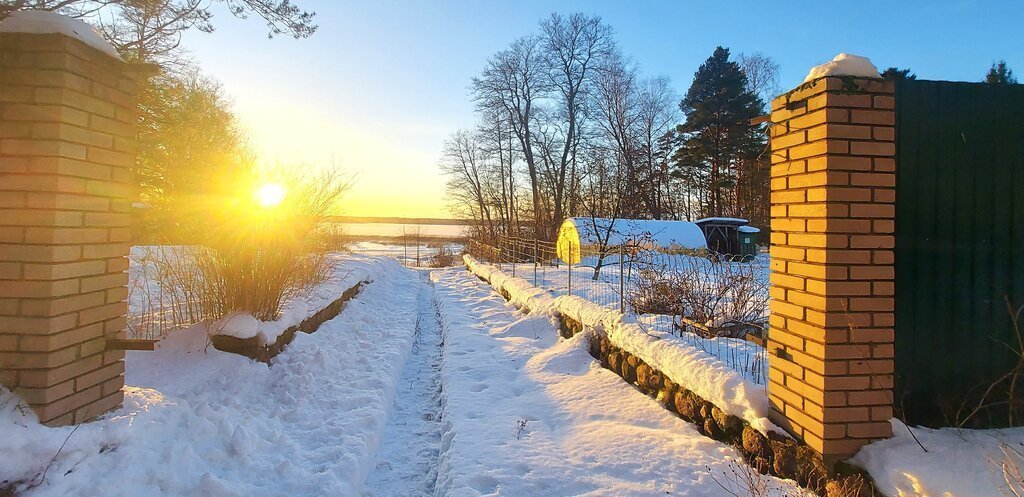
(197, 421)
(406, 465)
(953, 463)
(528, 414)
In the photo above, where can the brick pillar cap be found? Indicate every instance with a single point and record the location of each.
(39, 22)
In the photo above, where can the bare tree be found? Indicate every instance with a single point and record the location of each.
(574, 47)
(512, 84)
(762, 75)
(657, 113)
(462, 162)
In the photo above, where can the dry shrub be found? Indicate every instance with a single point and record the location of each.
(710, 291)
(169, 288)
(444, 257)
(1010, 466)
(999, 403)
(742, 480)
(246, 256)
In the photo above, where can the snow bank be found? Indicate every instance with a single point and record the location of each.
(197, 421)
(33, 21)
(527, 414)
(688, 366)
(237, 324)
(958, 463)
(844, 65)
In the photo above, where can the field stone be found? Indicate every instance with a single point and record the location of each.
(669, 385)
(755, 443)
(731, 425)
(811, 470)
(628, 372)
(784, 459)
(644, 374)
(614, 359)
(849, 486)
(684, 406)
(632, 360)
(706, 408)
(712, 429)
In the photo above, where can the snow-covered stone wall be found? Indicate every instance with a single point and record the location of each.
(685, 380)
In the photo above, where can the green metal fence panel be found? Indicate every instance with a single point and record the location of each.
(959, 244)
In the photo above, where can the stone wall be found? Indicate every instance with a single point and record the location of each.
(67, 137)
(253, 349)
(832, 281)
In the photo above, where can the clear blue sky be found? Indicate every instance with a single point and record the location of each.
(380, 85)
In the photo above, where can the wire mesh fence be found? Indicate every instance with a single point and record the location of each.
(714, 302)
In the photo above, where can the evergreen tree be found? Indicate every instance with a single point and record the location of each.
(999, 73)
(718, 141)
(897, 74)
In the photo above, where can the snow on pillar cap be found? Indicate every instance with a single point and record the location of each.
(844, 65)
(39, 22)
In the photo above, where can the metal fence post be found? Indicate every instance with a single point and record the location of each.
(535, 262)
(569, 265)
(622, 282)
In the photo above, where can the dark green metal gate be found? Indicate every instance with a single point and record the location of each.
(959, 245)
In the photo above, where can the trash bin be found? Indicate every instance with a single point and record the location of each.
(748, 241)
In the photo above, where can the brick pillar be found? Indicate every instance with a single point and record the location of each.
(833, 217)
(67, 115)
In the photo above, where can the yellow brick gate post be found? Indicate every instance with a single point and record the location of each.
(67, 138)
(832, 281)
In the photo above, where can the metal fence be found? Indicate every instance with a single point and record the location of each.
(716, 303)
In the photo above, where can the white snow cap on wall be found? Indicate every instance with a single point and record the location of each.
(38, 22)
(844, 65)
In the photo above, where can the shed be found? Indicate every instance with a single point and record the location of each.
(728, 235)
(587, 233)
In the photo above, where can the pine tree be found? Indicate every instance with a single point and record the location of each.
(718, 139)
(999, 73)
(897, 74)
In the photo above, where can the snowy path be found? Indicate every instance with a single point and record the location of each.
(528, 414)
(406, 464)
(205, 422)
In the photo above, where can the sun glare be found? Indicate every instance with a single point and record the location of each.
(270, 195)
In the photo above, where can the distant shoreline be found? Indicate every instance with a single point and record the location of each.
(399, 220)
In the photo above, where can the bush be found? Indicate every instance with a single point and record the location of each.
(715, 293)
(247, 253)
(443, 258)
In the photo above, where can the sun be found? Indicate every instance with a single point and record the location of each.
(269, 195)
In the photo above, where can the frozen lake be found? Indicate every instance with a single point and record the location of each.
(397, 230)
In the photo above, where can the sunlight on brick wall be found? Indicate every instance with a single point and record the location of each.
(832, 280)
(67, 116)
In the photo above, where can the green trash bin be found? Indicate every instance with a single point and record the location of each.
(748, 241)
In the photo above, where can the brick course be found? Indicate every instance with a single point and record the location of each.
(67, 114)
(832, 202)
